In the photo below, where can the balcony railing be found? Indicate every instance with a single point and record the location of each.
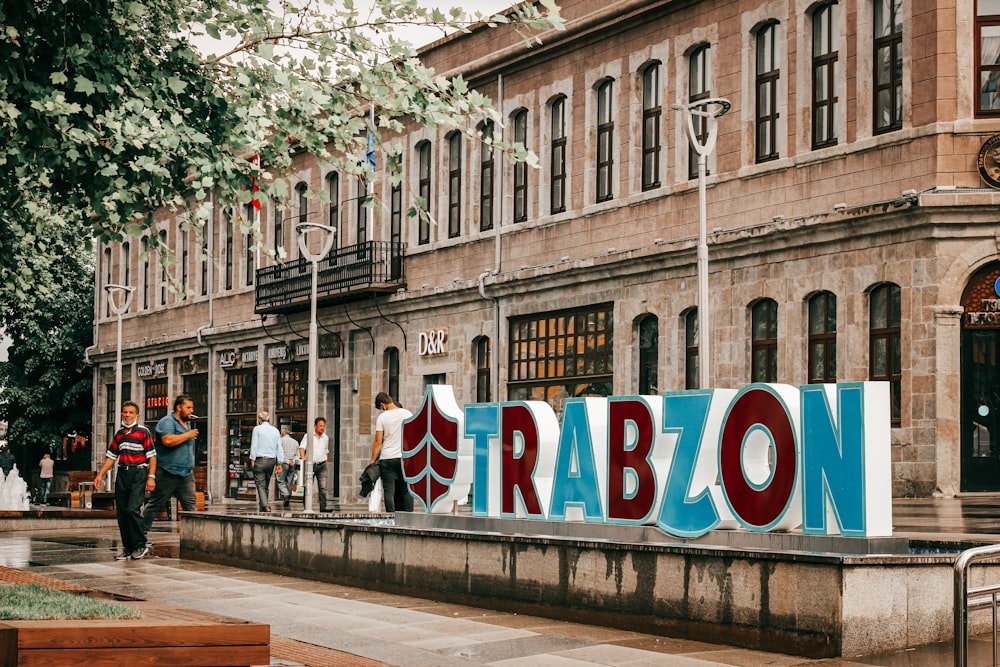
(347, 274)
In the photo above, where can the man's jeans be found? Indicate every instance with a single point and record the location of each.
(286, 479)
(169, 485)
(319, 473)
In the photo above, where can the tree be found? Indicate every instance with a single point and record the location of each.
(44, 391)
(109, 110)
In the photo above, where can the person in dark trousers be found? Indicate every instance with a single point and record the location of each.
(387, 449)
(175, 455)
(320, 454)
(265, 458)
(132, 447)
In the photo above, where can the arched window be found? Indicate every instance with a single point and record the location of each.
(454, 184)
(649, 353)
(766, 85)
(698, 89)
(764, 341)
(521, 168)
(691, 349)
(605, 140)
(651, 113)
(424, 191)
(483, 366)
(486, 176)
(557, 165)
(825, 56)
(823, 338)
(884, 348)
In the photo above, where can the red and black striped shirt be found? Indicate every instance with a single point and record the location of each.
(132, 447)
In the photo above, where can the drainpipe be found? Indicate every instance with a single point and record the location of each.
(495, 370)
(209, 250)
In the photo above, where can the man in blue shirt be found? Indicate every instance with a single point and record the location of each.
(174, 442)
(265, 457)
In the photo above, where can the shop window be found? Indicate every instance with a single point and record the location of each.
(562, 354)
(764, 341)
(196, 387)
(292, 389)
(885, 353)
(241, 412)
(157, 402)
(823, 338)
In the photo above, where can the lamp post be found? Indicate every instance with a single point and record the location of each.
(709, 110)
(303, 229)
(119, 300)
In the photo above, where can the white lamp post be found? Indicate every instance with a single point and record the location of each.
(709, 109)
(303, 229)
(119, 300)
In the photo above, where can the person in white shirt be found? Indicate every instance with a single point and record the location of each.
(387, 449)
(320, 454)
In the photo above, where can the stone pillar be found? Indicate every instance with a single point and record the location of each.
(948, 381)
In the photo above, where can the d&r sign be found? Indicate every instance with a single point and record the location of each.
(433, 342)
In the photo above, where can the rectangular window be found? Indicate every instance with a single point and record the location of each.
(145, 272)
(767, 93)
(651, 111)
(279, 229)
(396, 230)
(362, 210)
(698, 89)
(562, 354)
(486, 178)
(333, 207)
(157, 401)
(605, 140)
(824, 79)
(203, 261)
(988, 60)
(521, 168)
(557, 176)
(229, 252)
(764, 341)
(424, 192)
(163, 267)
(292, 389)
(888, 66)
(185, 258)
(483, 365)
(241, 391)
(250, 255)
(454, 184)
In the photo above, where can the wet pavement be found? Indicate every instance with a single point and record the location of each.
(325, 625)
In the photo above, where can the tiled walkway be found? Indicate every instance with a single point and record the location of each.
(322, 625)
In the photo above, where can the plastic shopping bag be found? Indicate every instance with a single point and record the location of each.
(375, 497)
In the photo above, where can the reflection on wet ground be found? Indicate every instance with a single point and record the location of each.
(351, 620)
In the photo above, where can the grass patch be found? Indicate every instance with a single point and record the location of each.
(38, 603)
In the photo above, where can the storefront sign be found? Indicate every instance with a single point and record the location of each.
(227, 358)
(277, 353)
(768, 457)
(302, 348)
(249, 356)
(151, 369)
(433, 343)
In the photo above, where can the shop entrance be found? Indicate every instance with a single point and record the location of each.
(981, 381)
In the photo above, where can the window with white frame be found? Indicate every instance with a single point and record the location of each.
(825, 62)
(557, 163)
(766, 78)
(605, 139)
(454, 184)
(652, 111)
(486, 165)
(424, 191)
(888, 65)
(521, 168)
(699, 64)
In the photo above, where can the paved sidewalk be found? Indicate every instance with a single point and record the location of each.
(321, 625)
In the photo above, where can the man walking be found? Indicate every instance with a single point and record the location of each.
(290, 463)
(320, 453)
(387, 449)
(265, 458)
(132, 447)
(174, 442)
(45, 476)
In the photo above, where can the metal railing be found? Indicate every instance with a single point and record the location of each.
(355, 270)
(973, 599)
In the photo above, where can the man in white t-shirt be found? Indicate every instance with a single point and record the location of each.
(387, 449)
(320, 454)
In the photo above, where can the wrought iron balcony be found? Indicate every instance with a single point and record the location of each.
(347, 274)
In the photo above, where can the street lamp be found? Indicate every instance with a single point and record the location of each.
(119, 300)
(709, 110)
(303, 229)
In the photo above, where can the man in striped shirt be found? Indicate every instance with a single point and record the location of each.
(132, 447)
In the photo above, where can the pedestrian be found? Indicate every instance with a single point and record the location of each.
(387, 449)
(132, 447)
(320, 454)
(46, 474)
(6, 460)
(265, 457)
(290, 463)
(174, 439)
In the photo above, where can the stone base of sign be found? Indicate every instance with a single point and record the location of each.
(810, 602)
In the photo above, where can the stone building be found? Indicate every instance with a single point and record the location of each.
(852, 235)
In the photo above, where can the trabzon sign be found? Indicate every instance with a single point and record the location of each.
(767, 457)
